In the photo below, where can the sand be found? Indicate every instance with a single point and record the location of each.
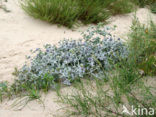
(19, 33)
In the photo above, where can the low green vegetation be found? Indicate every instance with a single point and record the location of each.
(153, 7)
(124, 84)
(143, 3)
(143, 45)
(103, 98)
(70, 12)
(121, 7)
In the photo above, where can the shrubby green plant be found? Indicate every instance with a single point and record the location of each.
(143, 3)
(69, 12)
(3, 89)
(65, 12)
(143, 46)
(121, 7)
(54, 11)
(153, 7)
(93, 11)
(150, 3)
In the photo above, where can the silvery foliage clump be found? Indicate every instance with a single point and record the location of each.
(73, 59)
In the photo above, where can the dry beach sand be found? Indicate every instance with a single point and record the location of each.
(20, 33)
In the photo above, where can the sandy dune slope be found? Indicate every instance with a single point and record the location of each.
(19, 33)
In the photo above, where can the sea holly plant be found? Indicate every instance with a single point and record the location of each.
(72, 59)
